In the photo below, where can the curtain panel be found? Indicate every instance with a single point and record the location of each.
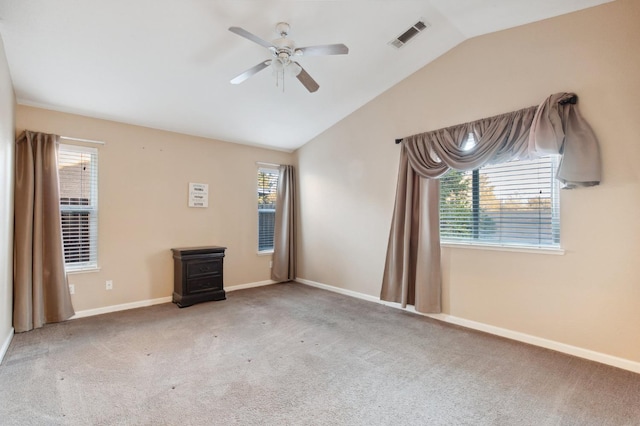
(412, 270)
(284, 238)
(412, 273)
(41, 293)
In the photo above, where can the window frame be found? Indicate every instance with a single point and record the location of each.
(274, 171)
(91, 208)
(476, 242)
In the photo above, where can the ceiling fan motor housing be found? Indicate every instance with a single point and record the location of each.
(284, 49)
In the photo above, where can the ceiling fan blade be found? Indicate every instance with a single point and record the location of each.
(249, 36)
(251, 71)
(325, 49)
(306, 80)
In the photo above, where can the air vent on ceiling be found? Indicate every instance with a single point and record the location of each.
(409, 34)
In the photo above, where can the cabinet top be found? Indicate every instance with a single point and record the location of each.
(198, 250)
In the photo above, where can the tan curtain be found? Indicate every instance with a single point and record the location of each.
(40, 290)
(412, 270)
(412, 273)
(284, 239)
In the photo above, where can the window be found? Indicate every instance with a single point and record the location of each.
(78, 171)
(508, 204)
(267, 187)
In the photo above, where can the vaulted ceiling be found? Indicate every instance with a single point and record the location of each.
(167, 64)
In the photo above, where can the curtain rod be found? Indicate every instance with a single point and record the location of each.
(572, 100)
(69, 138)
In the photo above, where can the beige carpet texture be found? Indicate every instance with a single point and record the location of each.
(289, 354)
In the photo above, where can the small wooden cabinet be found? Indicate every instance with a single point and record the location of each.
(197, 275)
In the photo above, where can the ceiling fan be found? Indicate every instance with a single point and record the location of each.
(282, 50)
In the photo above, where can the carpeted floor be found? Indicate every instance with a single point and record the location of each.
(289, 354)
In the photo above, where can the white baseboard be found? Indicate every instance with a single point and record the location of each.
(151, 302)
(614, 361)
(249, 285)
(122, 307)
(602, 358)
(5, 344)
(340, 290)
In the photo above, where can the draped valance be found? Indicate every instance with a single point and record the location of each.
(553, 127)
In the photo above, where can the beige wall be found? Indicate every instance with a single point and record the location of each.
(7, 110)
(590, 297)
(143, 213)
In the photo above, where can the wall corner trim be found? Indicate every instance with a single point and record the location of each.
(588, 354)
(5, 344)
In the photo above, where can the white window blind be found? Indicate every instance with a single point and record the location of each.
(508, 204)
(267, 187)
(78, 171)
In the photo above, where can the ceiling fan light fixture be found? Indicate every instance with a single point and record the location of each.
(294, 69)
(284, 57)
(277, 65)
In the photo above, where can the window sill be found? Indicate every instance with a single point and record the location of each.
(265, 253)
(83, 271)
(496, 247)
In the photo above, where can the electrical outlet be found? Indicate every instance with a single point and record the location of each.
(109, 285)
(72, 289)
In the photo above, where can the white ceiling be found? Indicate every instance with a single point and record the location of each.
(166, 64)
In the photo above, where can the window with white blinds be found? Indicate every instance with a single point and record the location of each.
(509, 204)
(267, 187)
(78, 171)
